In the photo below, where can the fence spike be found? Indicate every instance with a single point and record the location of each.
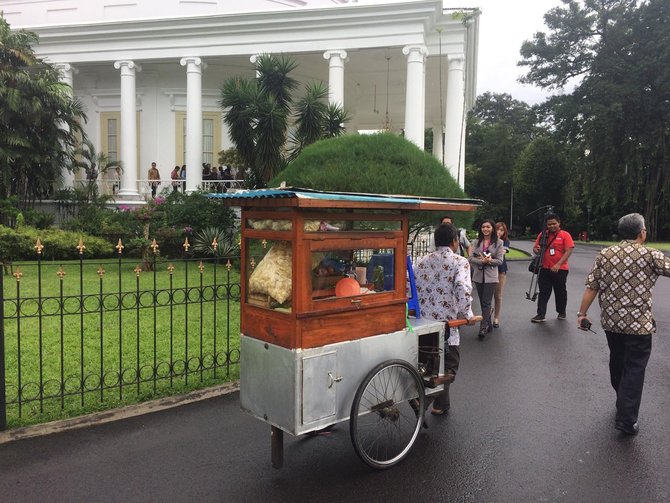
(17, 274)
(101, 271)
(186, 244)
(215, 244)
(170, 268)
(81, 246)
(229, 266)
(39, 246)
(201, 267)
(137, 270)
(60, 273)
(264, 243)
(119, 246)
(154, 246)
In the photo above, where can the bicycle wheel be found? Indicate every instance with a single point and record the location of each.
(387, 413)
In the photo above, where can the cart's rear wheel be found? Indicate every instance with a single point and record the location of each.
(387, 413)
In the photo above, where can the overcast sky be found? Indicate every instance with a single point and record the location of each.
(504, 25)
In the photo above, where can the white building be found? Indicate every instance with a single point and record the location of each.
(149, 72)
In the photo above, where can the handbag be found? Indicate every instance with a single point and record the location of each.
(536, 261)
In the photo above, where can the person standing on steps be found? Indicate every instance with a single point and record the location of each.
(154, 179)
(444, 291)
(554, 272)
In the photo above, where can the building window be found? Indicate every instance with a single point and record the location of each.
(211, 138)
(112, 140)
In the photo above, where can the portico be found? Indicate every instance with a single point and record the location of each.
(150, 81)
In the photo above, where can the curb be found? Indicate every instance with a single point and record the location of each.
(108, 416)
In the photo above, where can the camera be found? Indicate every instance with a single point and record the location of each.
(585, 324)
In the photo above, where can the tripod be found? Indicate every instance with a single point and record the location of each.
(531, 294)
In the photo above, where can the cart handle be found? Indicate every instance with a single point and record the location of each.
(460, 322)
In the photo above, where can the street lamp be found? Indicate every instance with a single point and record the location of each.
(511, 202)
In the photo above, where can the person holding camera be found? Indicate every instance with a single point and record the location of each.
(553, 274)
(623, 276)
(487, 255)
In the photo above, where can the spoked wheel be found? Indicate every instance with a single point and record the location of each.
(387, 413)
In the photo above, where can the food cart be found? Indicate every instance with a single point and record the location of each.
(325, 335)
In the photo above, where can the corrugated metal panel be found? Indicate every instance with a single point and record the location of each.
(294, 192)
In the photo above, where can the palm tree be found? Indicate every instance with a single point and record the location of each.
(94, 164)
(260, 111)
(39, 120)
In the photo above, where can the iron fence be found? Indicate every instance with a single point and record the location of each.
(90, 333)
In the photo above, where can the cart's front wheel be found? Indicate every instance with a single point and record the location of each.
(387, 413)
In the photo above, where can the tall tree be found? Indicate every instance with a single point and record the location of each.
(499, 128)
(616, 53)
(539, 179)
(260, 111)
(39, 120)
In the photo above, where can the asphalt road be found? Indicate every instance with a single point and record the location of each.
(532, 420)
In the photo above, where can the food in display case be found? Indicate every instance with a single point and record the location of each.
(272, 276)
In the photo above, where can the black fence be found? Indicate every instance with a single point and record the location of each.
(89, 334)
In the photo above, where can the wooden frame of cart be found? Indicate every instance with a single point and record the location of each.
(325, 336)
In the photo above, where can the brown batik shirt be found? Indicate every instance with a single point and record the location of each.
(624, 275)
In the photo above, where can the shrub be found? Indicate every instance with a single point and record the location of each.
(202, 242)
(19, 244)
(381, 163)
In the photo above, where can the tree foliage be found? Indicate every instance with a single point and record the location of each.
(260, 111)
(39, 120)
(499, 128)
(616, 122)
(94, 164)
(382, 163)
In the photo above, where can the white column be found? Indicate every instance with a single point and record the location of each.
(454, 121)
(437, 142)
(423, 100)
(461, 160)
(254, 59)
(67, 72)
(128, 188)
(414, 94)
(336, 61)
(193, 122)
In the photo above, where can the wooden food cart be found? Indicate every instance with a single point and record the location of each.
(325, 335)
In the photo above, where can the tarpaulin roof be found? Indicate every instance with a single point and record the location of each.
(300, 197)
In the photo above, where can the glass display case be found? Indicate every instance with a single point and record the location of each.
(305, 269)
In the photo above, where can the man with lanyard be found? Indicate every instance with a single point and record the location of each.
(444, 291)
(623, 277)
(554, 271)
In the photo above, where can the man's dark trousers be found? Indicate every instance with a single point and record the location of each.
(547, 281)
(629, 355)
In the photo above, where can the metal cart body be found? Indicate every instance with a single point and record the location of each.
(303, 390)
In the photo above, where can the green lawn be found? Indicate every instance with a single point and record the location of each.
(184, 325)
(659, 246)
(514, 254)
